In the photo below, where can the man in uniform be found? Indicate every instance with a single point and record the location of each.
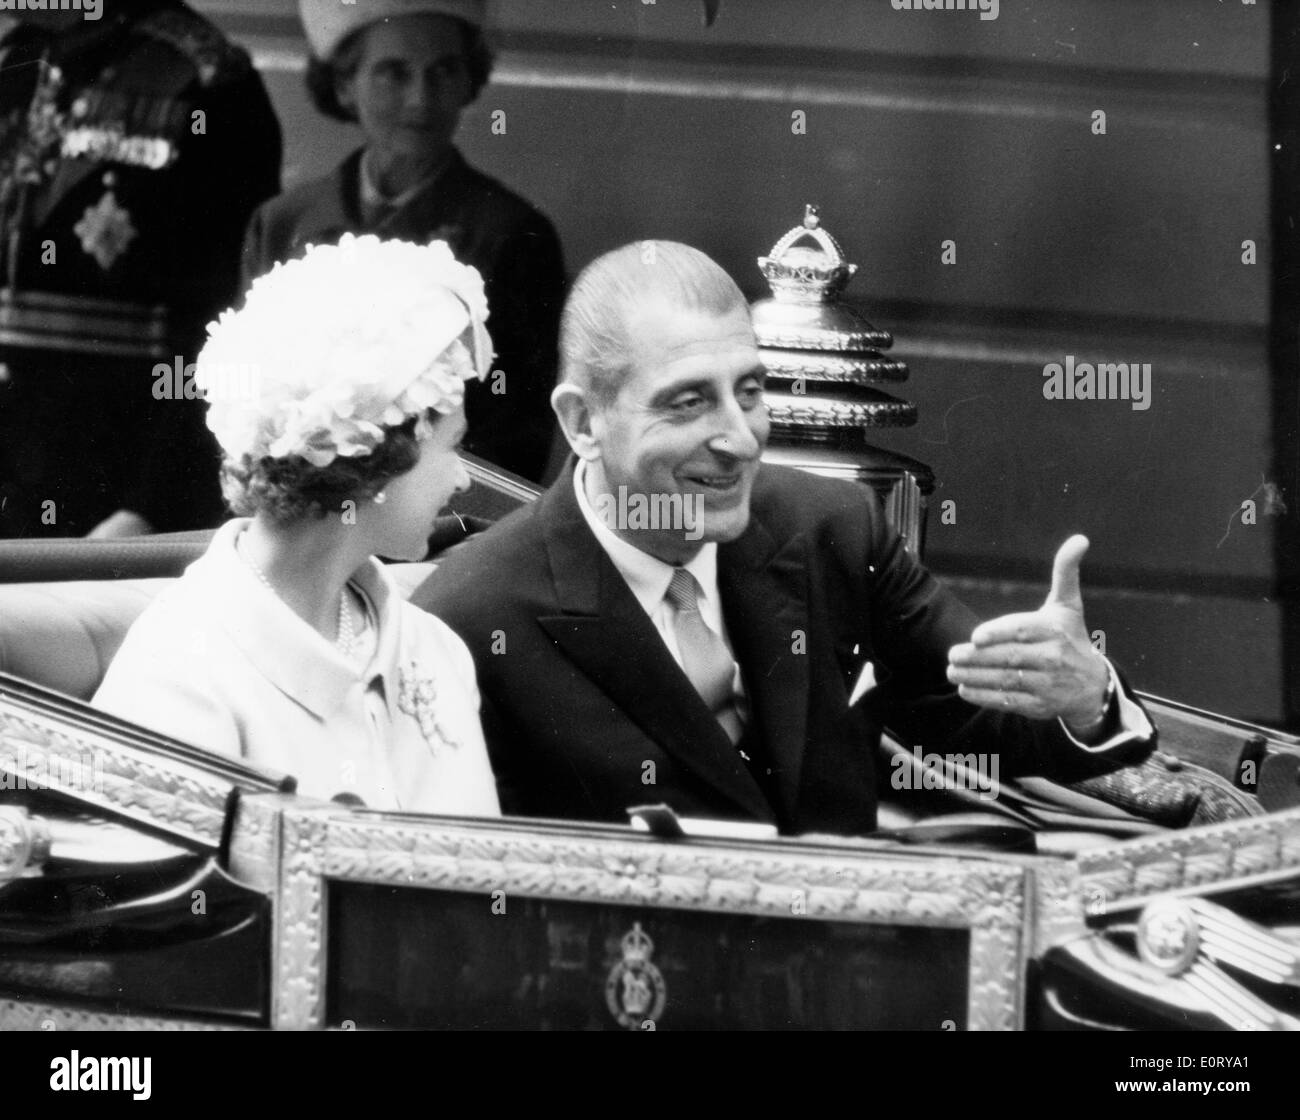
(135, 141)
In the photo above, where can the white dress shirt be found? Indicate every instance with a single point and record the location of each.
(648, 577)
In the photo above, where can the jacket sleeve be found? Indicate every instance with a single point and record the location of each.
(914, 621)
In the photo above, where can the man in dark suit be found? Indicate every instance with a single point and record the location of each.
(673, 621)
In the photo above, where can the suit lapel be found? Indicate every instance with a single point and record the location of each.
(604, 631)
(764, 591)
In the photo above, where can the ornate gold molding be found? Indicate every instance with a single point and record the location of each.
(329, 844)
(255, 842)
(168, 793)
(18, 1015)
(1213, 858)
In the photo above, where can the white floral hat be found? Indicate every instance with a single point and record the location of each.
(343, 341)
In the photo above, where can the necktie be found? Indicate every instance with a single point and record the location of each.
(705, 657)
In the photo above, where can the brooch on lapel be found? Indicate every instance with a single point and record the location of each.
(417, 696)
(106, 229)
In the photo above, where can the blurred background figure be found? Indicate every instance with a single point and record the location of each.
(404, 70)
(135, 142)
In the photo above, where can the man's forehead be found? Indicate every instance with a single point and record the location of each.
(660, 332)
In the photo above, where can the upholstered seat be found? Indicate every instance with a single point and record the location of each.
(63, 634)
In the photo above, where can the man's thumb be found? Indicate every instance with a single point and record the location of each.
(1065, 573)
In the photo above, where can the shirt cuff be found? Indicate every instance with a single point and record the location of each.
(1133, 723)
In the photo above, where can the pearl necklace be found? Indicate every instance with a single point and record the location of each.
(346, 639)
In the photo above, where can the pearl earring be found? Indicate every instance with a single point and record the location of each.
(381, 498)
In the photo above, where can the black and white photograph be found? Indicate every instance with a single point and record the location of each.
(636, 515)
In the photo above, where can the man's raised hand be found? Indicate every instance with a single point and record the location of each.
(1039, 664)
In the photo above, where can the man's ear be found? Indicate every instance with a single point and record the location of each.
(577, 420)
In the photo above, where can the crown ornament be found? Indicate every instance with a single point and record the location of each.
(824, 361)
(827, 372)
(799, 273)
(637, 946)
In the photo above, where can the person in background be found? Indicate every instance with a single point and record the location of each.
(336, 393)
(135, 143)
(404, 70)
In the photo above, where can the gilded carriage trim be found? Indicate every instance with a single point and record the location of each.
(1058, 903)
(20, 1015)
(181, 798)
(298, 934)
(1212, 858)
(255, 842)
(987, 898)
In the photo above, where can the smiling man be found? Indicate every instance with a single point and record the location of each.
(720, 667)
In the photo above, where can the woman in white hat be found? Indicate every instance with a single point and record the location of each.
(404, 70)
(336, 394)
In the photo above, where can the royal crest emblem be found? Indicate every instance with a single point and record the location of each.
(635, 991)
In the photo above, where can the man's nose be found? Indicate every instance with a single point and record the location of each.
(741, 433)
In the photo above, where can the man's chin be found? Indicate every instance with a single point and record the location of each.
(721, 528)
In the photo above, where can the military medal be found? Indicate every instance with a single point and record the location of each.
(105, 229)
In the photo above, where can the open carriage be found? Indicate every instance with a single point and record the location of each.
(146, 884)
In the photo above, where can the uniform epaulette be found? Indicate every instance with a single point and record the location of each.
(215, 58)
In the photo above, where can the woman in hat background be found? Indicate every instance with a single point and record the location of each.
(336, 394)
(404, 70)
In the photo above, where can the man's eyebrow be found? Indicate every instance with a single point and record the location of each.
(702, 384)
(686, 384)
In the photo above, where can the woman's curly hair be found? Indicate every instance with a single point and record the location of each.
(324, 75)
(290, 489)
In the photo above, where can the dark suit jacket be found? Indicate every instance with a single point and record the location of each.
(513, 246)
(580, 694)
